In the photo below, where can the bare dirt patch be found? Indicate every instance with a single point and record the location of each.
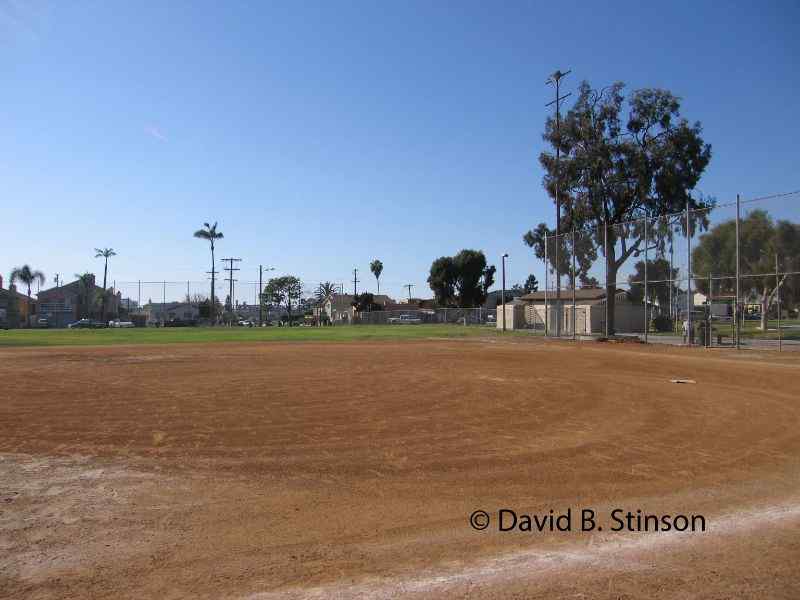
(350, 470)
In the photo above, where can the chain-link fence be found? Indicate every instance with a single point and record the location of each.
(416, 316)
(720, 274)
(177, 303)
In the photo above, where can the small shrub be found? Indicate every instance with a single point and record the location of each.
(662, 323)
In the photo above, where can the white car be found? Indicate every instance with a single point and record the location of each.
(120, 324)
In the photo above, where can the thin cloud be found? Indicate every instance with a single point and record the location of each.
(155, 132)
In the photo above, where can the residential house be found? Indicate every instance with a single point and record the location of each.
(339, 308)
(16, 310)
(161, 312)
(67, 303)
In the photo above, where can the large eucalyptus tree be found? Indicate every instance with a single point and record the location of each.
(622, 158)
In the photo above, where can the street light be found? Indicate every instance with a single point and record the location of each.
(505, 256)
(261, 270)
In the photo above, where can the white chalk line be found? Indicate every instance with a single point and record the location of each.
(527, 564)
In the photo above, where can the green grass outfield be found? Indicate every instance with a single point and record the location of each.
(151, 335)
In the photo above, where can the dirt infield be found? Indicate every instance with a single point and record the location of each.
(351, 470)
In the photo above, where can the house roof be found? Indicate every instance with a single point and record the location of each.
(4, 293)
(400, 306)
(72, 287)
(582, 294)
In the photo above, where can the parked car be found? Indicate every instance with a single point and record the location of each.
(180, 323)
(404, 320)
(116, 323)
(87, 324)
(43, 322)
(245, 323)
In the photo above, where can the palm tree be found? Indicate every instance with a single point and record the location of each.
(376, 267)
(104, 253)
(85, 296)
(210, 233)
(325, 292)
(27, 277)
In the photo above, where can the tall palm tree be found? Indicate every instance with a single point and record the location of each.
(104, 253)
(376, 267)
(210, 233)
(27, 276)
(325, 292)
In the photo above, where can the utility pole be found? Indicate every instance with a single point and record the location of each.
(555, 80)
(355, 282)
(408, 286)
(689, 301)
(57, 279)
(230, 268)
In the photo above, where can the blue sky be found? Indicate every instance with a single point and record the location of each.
(323, 135)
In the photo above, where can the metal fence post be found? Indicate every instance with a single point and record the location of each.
(574, 285)
(646, 297)
(778, 300)
(689, 303)
(605, 256)
(672, 284)
(736, 313)
(546, 283)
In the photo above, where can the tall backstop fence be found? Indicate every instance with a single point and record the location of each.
(718, 274)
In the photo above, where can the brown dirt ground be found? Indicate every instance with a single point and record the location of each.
(350, 470)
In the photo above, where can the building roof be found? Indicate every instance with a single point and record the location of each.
(13, 290)
(68, 288)
(582, 294)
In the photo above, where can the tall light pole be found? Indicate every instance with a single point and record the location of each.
(505, 256)
(261, 270)
(555, 81)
